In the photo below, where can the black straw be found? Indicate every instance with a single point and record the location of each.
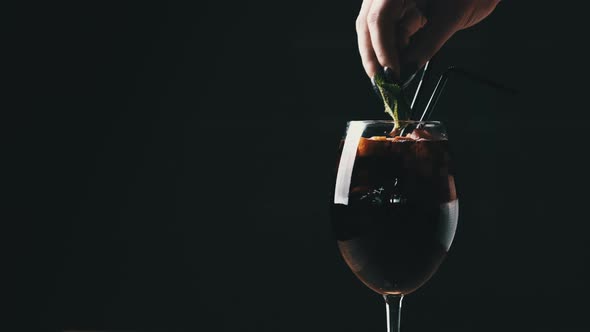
(440, 85)
(419, 85)
(442, 81)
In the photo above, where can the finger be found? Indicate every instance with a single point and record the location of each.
(425, 43)
(412, 21)
(382, 19)
(368, 58)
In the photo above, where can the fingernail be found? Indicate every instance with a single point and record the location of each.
(375, 88)
(390, 75)
(408, 73)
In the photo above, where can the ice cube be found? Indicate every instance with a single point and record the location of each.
(420, 134)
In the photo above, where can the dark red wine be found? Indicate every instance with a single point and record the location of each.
(401, 214)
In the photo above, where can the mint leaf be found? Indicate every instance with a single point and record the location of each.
(393, 98)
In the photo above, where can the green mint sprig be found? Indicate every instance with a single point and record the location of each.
(394, 100)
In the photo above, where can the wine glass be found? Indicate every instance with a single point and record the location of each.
(394, 207)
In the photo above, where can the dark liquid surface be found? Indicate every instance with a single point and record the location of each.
(401, 214)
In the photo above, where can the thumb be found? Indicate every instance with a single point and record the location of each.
(427, 41)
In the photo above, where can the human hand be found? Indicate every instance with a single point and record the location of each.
(394, 34)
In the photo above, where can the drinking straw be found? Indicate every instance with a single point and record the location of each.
(419, 85)
(440, 85)
(442, 81)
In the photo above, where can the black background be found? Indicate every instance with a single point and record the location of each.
(169, 164)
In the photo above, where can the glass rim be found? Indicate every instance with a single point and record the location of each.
(434, 122)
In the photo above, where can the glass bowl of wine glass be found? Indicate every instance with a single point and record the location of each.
(394, 206)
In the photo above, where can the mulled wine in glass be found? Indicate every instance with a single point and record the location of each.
(394, 207)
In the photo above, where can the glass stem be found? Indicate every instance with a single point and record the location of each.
(393, 309)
